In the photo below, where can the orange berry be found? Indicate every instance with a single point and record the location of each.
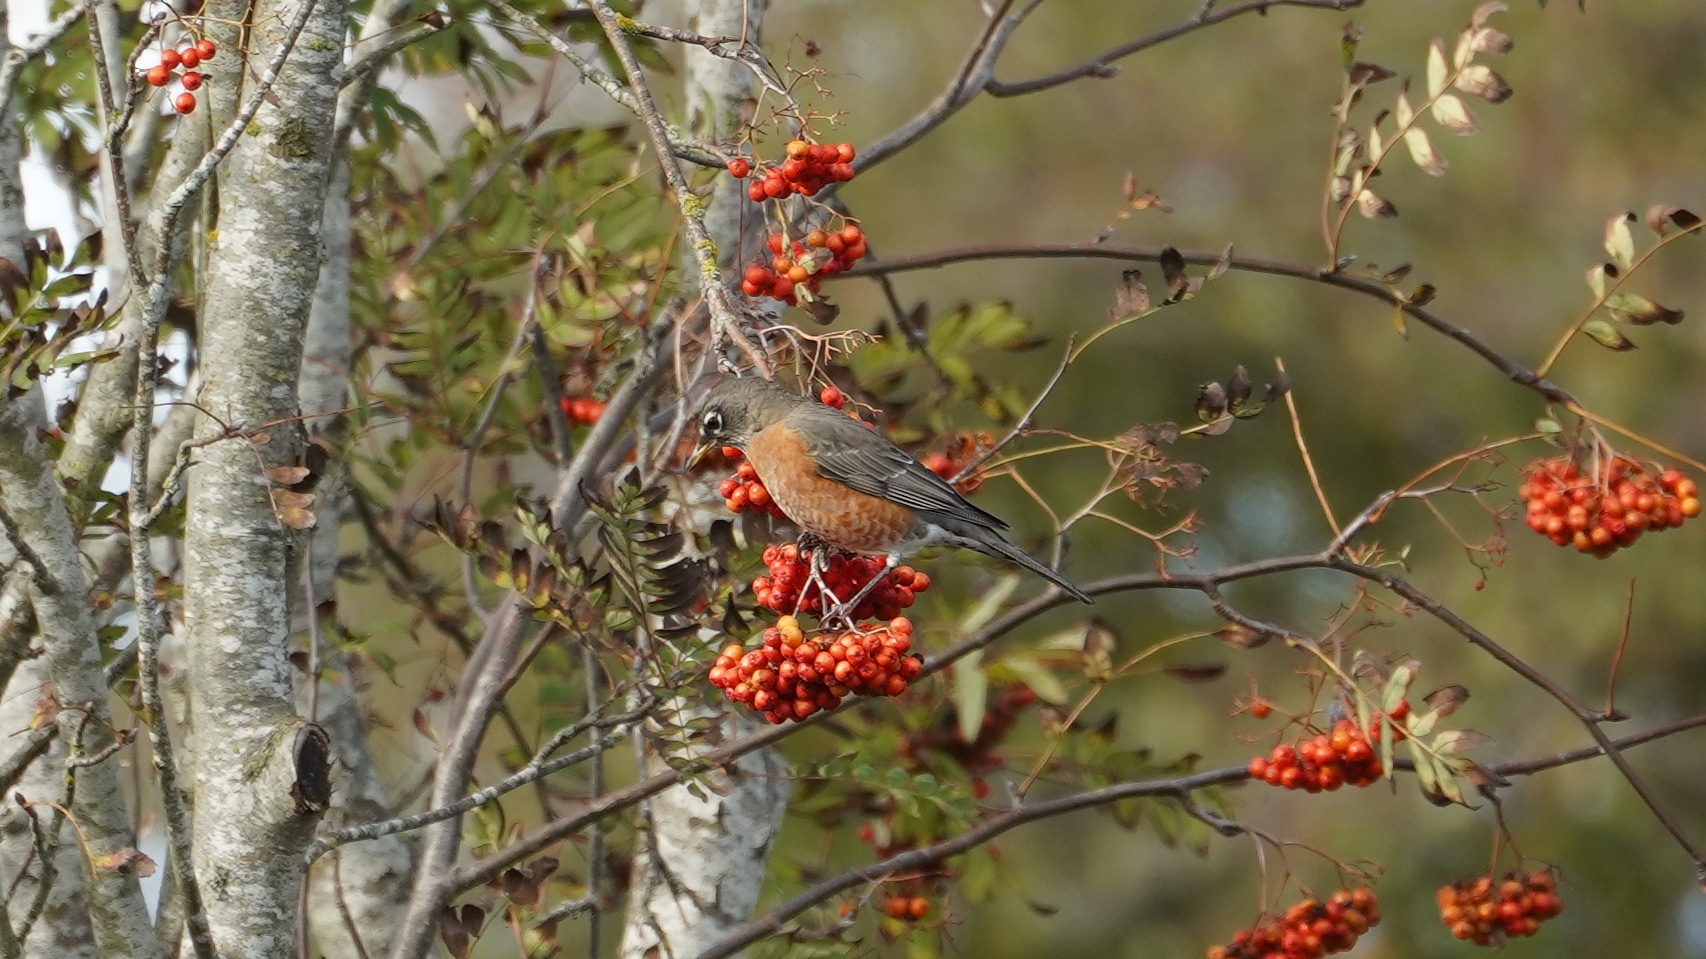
(206, 48)
(185, 103)
(170, 60)
(189, 58)
(797, 148)
(739, 167)
(158, 76)
(191, 80)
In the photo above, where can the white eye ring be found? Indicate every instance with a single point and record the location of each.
(713, 422)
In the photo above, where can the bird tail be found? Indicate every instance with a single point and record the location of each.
(995, 544)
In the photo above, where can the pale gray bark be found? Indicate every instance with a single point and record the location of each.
(252, 750)
(80, 906)
(73, 659)
(702, 855)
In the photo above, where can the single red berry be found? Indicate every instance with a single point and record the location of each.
(205, 49)
(185, 103)
(190, 58)
(159, 76)
(739, 167)
(169, 59)
(191, 80)
(832, 396)
(1261, 708)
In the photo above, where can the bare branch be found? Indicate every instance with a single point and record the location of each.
(1514, 371)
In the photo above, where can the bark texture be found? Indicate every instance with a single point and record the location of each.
(260, 771)
(701, 861)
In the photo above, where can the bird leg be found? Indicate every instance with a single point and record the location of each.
(816, 566)
(843, 612)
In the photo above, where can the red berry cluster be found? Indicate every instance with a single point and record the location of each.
(1344, 757)
(962, 450)
(789, 676)
(786, 590)
(803, 262)
(1308, 930)
(1604, 513)
(188, 58)
(1485, 914)
(809, 168)
(582, 409)
(906, 908)
(745, 491)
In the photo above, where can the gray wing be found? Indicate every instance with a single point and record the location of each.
(857, 457)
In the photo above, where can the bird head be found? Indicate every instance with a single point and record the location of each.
(736, 409)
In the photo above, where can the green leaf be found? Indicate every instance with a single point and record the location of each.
(1607, 335)
(1637, 310)
(971, 693)
(989, 604)
(1031, 672)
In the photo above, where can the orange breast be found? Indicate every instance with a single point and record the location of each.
(839, 516)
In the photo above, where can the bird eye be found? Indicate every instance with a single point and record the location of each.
(713, 422)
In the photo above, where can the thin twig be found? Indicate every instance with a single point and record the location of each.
(1514, 371)
(1303, 450)
(725, 324)
(33, 744)
(677, 143)
(618, 728)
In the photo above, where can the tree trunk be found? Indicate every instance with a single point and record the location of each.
(261, 772)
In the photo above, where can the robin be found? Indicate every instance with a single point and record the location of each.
(846, 484)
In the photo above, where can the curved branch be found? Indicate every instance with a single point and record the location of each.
(1512, 370)
(976, 74)
(1103, 65)
(1179, 788)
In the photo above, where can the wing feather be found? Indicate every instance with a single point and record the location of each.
(851, 454)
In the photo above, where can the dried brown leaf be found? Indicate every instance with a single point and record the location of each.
(1149, 199)
(1482, 81)
(1131, 297)
(1446, 699)
(1362, 73)
(1661, 216)
(287, 475)
(1485, 11)
(1439, 73)
(1196, 672)
(1491, 41)
(296, 517)
(1422, 152)
(1173, 271)
(1222, 264)
(1450, 112)
(1211, 402)
(1375, 207)
(127, 860)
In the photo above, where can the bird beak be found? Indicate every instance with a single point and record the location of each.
(699, 453)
